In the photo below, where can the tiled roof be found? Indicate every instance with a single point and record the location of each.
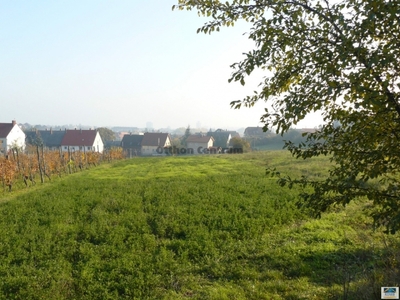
(221, 138)
(50, 138)
(221, 131)
(198, 139)
(5, 129)
(154, 139)
(132, 140)
(254, 131)
(79, 137)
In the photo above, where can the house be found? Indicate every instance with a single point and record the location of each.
(132, 144)
(254, 131)
(153, 143)
(199, 143)
(308, 130)
(221, 137)
(234, 133)
(11, 136)
(50, 139)
(82, 140)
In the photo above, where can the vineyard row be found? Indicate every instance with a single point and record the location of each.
(37, 163)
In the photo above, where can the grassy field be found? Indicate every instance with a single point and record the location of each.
(208, 227)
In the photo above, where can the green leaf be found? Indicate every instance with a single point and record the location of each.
(341, 59)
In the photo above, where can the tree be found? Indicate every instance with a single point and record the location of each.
(176, 142)
(337, 57)
(107, 135)
(186, 135)
(239, 143)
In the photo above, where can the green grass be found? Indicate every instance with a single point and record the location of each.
(207, 227)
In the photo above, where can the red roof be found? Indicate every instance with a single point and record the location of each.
(5, 129)
(79, 137)
(154, 139)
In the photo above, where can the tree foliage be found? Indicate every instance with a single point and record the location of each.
(107, 135)
(337, 57)
(186, 135)
(240, 143)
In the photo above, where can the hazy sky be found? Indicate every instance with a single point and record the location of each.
(119, 63)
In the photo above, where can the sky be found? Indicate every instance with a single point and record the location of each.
(121, 63)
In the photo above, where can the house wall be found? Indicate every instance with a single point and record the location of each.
(168, 142)
(195, 146)
(98, 143)
(149, 150)
(152, 150)
(97, 146)
(78, 148)
(3, 143)
(16, 137)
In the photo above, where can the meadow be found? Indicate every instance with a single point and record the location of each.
(196, 227)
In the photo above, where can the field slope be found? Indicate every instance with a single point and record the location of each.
(209, 227)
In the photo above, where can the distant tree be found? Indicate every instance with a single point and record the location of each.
(40, 127)
(179, 131)
(240, 143)
(186, 135)
(176, 142)
(107, 135)
(34, 139)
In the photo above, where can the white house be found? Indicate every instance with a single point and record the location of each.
(153, 143)
(82, 140)
(199, 143)
(11, 136)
